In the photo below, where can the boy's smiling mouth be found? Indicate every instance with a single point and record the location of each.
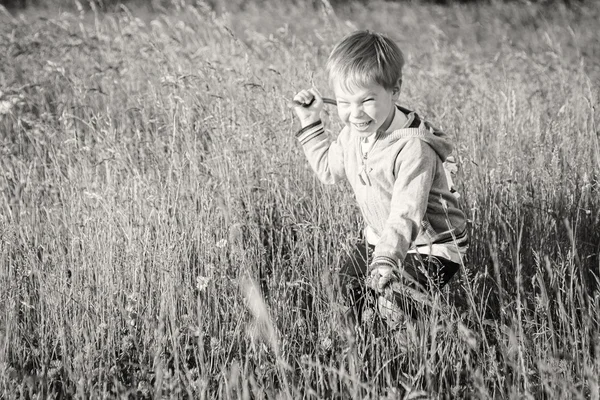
(361, 125)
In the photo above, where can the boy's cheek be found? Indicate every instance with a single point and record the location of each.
(371, 110)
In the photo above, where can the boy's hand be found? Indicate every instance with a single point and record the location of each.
(307, 106)
(381, 276)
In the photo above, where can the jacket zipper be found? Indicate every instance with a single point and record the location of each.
(363, 175)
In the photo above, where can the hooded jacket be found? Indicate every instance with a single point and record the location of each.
(400, 185)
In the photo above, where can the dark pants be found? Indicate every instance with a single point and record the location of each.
(354, 271)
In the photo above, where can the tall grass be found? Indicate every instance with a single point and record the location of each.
(150, 174)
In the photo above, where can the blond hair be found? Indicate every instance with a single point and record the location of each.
(366, 57)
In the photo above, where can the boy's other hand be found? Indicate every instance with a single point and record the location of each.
(308, 104)
(381, 276)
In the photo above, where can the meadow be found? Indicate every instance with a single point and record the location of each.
(162, 236)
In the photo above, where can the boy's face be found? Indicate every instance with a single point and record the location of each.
(366, 109)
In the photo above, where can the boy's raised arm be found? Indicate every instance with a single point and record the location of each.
(325, 157)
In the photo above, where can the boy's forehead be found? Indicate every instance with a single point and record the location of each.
(350, 87)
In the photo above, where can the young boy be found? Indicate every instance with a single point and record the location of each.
(414, 231)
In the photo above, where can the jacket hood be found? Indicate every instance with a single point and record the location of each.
(415, 127)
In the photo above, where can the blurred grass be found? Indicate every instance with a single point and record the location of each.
(149, 168)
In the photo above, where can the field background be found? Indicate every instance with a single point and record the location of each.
(161, 234)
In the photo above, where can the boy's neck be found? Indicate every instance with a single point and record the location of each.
(370, 139)
(397, 121)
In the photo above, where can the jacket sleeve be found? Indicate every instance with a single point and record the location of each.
(415, 171)
(325, 158)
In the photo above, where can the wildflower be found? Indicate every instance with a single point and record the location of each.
(326, 343)
(300, 323)
(55, 369)
(222, 243)
(168, 79)
(54, 67)
(5, 107)
(144, 389)
(215, 344)
(368, 315)
(202, 283)
(196, 331)
(132, 297)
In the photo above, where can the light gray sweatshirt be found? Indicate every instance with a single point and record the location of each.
(400, 186)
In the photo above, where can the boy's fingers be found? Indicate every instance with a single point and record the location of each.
(376, 281)
(380, 277)
(316, 94)
(304, 98)
(304, 103)
(384, 281)
(309, 102)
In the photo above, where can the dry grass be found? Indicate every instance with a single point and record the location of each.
(149, 173)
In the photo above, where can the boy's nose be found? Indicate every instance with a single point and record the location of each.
(356, 111)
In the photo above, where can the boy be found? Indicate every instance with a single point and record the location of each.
(393, 160)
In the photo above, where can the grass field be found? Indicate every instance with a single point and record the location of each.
(163, 236)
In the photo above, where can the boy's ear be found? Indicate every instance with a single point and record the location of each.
(396, 89)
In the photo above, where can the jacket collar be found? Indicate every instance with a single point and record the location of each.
(406, 123)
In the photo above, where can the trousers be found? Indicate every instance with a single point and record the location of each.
(427, 272)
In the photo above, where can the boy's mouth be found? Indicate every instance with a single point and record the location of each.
(362, 125)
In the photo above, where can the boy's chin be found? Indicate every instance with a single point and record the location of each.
(363, 134)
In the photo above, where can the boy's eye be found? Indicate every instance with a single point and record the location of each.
(369, 99)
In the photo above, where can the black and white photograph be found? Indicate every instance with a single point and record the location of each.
(300, 199)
